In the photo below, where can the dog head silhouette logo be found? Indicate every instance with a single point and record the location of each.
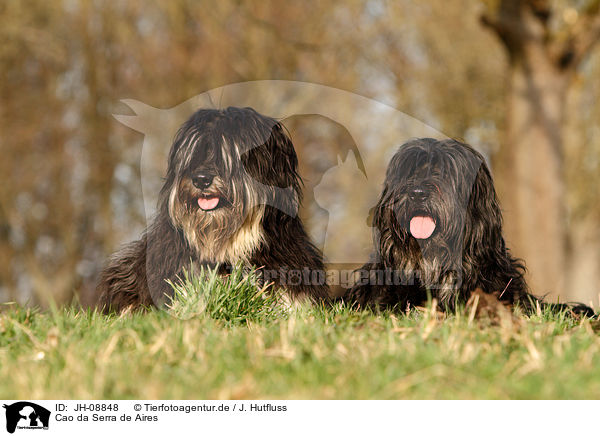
(26, 415)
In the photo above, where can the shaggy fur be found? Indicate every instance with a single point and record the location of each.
(450, 183)
(231, 196)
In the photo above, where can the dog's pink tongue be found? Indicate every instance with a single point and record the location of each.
(208, 203)
(421, 227)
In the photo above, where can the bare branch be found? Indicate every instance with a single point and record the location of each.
(502, 28)
(517, 22)
(587, 35)
(584, 34)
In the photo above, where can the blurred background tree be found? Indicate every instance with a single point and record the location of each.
(546, 42)
(72, 193)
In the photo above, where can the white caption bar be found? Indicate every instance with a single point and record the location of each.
(69, 417)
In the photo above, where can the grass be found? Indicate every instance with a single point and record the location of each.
(226, 339)
(234, 298)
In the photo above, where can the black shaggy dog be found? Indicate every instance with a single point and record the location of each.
(438, 233)
(230, 197)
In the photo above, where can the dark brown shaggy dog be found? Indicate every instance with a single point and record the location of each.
(231, 196)
(438, 233)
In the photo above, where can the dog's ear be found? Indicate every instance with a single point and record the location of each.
(387, 232)
(284, 161)
(274, 163)
(483, 230)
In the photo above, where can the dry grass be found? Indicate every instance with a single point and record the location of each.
(309, 353)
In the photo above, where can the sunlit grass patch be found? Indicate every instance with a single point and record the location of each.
(226, 338)
(234, 298)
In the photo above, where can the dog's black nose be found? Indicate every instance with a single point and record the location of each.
(202, 180)
(418, 194)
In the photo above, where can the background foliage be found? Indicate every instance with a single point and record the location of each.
(71, 189)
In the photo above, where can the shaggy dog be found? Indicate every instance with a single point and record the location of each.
(231, 196)
(438, 233)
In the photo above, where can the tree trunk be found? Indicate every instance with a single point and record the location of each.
(530, 165)
(530, 168)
